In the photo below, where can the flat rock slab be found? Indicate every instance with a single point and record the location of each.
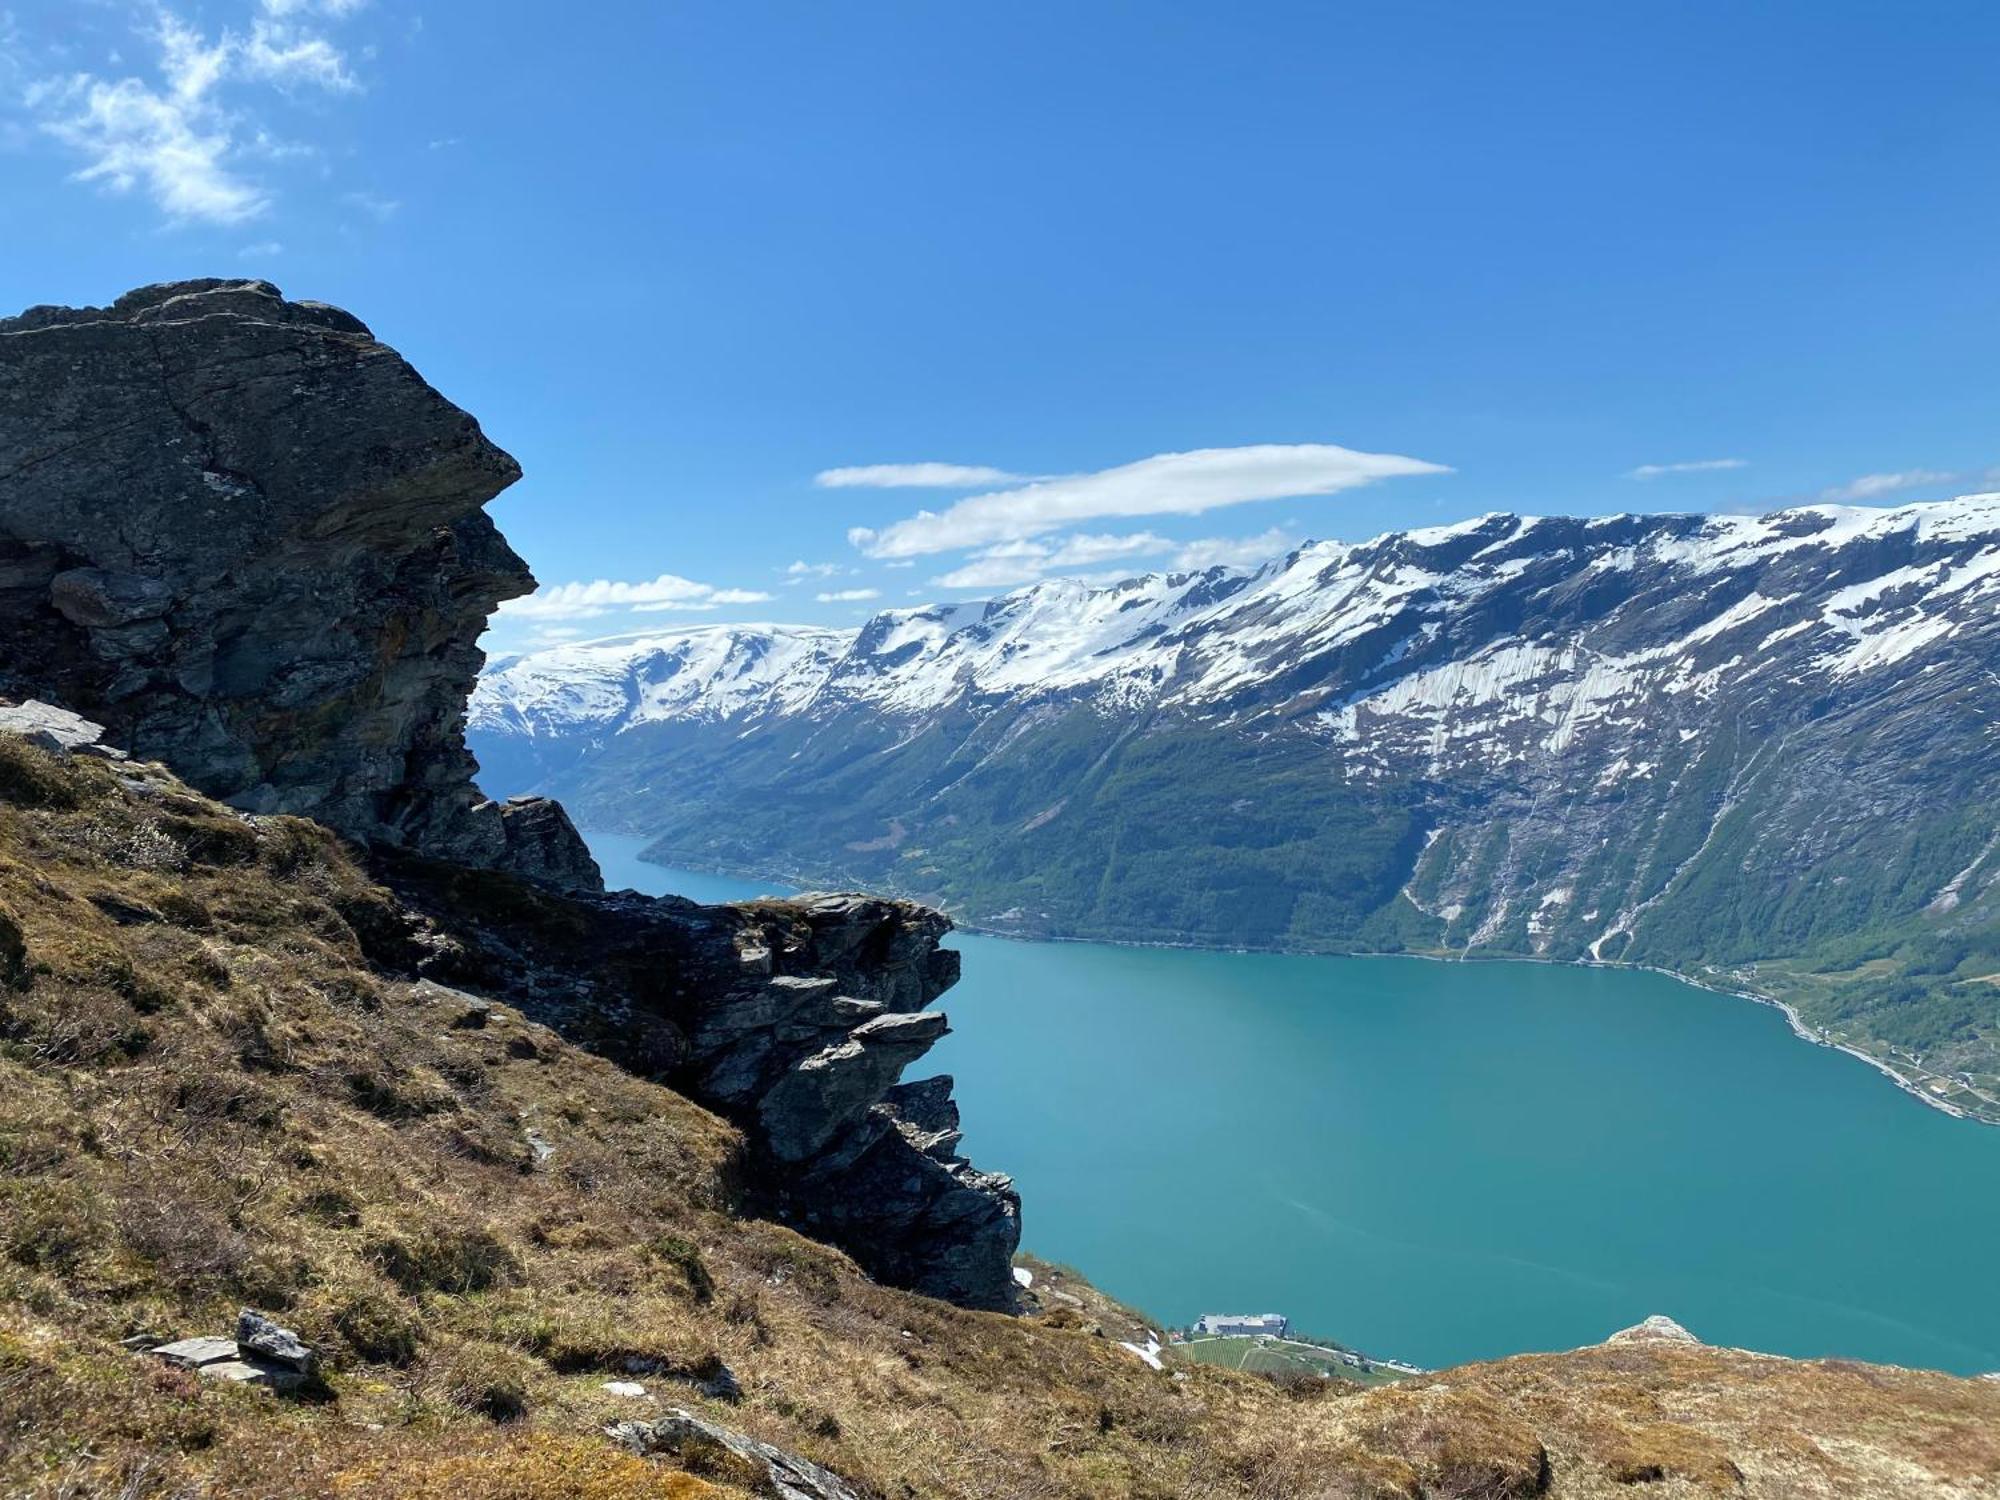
(253, 1372)
(50, 727)
(193, 1354)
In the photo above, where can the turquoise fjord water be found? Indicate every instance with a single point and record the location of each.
(1444, 1162)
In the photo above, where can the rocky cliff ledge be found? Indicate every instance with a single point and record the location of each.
(247, 537)
(795, 1019)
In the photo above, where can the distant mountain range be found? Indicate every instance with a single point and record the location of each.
(1761, 751)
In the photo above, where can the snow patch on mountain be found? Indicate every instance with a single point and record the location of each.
(1388, 645)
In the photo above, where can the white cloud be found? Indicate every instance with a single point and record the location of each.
(1018, 562)
(552, 635)
(334, 8)
(281, 54)
(1024, 560)
(603, 596)
(927, 476)
(1234, 552)
(800, 570)
(1873, 486)
(1166, 484)
(990, 573)
(180, 136)
(848, 596)
(1085, 551)
(132, 136)
(381, 210)
(1693, 466)
(261, 250)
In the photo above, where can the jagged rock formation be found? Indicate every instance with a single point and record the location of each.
(792, 1018)
(249, 539)
(246, 539)
(1758, 748)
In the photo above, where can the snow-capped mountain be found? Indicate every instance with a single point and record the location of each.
(1685, 739)
(1388, 647)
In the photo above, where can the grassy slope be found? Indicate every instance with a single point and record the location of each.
(209, 1096)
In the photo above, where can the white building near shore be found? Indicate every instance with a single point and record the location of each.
(1243, 1325)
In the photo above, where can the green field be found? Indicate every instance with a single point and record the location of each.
(1278, 1357)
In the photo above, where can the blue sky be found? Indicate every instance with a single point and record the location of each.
(1141, 284)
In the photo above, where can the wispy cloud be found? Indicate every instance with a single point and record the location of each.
(282, 54)
(603, 596)
(800, 570)
(1692, 466)
(925, 476)
(1019, 562)
(1166, 484)
(183, 130)
(848, 596)
(378, 208)
(335, 8)
(1234, 552)
(1024, 560)
(261, 250)
(1874, 486)
(991, 573)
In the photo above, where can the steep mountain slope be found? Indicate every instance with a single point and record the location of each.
(1761, 750)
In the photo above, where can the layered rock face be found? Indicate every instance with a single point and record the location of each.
(247, 537)
(795, 1019)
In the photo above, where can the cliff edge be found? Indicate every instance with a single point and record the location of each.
(248, 538)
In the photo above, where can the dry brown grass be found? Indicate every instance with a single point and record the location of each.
(211, 1094)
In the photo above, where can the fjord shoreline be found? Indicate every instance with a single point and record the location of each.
(1910, 1083)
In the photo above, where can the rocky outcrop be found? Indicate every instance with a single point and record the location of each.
(1657, 1329)
(262, 1354)
(248, 538)
(795, 1019)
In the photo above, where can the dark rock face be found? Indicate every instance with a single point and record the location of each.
(794, 1019)
(247, 538)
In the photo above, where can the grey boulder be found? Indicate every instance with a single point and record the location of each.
(681, 1433)
(258, 1338)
